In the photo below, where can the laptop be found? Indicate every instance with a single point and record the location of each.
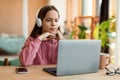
(76, 57)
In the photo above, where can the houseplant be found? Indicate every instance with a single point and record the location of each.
(82, 33)
(103, 32)
(79, 32)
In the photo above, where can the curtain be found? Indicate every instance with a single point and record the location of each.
(104, 11)
(104, 15)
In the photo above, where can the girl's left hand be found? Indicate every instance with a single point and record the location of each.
(60, 36)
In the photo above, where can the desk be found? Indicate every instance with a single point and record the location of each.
(36, 73)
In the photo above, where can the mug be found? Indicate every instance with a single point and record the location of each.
(104, 60)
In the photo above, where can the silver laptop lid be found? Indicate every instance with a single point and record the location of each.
(78, 56)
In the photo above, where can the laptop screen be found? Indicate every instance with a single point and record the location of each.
(77, 57)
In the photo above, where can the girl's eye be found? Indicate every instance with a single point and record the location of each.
(56, 20)
(48, 20)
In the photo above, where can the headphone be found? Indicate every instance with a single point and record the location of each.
(38, 20)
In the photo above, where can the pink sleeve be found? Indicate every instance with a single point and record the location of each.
(29, 50)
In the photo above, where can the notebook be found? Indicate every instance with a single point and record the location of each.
(76, 57)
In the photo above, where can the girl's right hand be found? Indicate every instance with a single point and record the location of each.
(45, 36)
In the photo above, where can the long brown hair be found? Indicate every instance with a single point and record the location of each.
(42, 13)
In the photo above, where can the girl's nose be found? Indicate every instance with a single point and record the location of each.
(53, 23)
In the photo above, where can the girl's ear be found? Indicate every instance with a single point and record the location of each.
(61, 29)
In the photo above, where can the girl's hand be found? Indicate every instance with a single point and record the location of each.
(47, 36)
(60, 36)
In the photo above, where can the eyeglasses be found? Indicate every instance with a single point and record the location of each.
(112, 71)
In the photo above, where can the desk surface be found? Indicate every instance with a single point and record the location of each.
(36, 73)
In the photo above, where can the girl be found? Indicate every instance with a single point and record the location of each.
(41, 47)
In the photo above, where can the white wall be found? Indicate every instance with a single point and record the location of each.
(87, 7)
(25, 18)
(74, 9)
(117, 49)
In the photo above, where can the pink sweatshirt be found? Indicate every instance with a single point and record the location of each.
(37, 52)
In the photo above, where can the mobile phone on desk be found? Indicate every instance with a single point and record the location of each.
(21, 70)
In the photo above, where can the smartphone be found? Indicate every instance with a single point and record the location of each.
(22, 70)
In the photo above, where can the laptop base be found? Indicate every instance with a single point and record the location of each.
(52, 71)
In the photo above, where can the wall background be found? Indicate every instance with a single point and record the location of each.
(33, 6)
(11, 16)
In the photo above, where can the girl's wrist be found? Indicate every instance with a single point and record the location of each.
(40, 37)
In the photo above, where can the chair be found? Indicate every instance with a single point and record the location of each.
(88, 21)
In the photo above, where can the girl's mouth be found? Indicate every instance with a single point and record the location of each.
(53, 29)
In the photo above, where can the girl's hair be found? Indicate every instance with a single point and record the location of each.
(42, 13)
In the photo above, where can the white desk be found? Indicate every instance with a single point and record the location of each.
(36, 73)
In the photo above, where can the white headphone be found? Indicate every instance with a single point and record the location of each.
(38, 20)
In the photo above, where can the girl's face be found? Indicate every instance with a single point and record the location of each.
(50, 22)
